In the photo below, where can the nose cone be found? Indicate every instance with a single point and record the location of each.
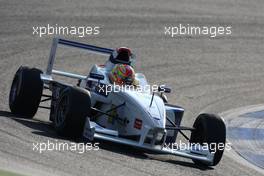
(156, 111)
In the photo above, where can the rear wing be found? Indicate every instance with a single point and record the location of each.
(56, 41)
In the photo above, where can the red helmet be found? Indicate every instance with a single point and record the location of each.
(121, 54)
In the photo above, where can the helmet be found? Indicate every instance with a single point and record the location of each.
(122, 74)
(121, 55)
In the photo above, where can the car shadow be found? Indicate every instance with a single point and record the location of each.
(46, 129)
(39, 127)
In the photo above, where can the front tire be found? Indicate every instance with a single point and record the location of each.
(26, 91)
(70, 115)
(209, 129)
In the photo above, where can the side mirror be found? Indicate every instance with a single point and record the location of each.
(164, 89)
(96, 76)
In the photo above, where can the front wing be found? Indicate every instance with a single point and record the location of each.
(94, 131)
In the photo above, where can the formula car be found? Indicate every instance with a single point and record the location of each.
(143, 119)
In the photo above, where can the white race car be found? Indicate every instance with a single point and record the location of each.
(91, 109)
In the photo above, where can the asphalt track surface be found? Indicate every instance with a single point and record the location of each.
(207, 75)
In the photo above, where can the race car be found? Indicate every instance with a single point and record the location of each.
(95, 108)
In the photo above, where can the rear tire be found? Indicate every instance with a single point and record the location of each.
(26, 91)
(209, 128)
(70, 115)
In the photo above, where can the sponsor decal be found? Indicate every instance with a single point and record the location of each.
(138, 124)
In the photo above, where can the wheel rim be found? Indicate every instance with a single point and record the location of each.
(62, 111)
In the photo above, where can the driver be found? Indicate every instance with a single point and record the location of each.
(122, 74)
